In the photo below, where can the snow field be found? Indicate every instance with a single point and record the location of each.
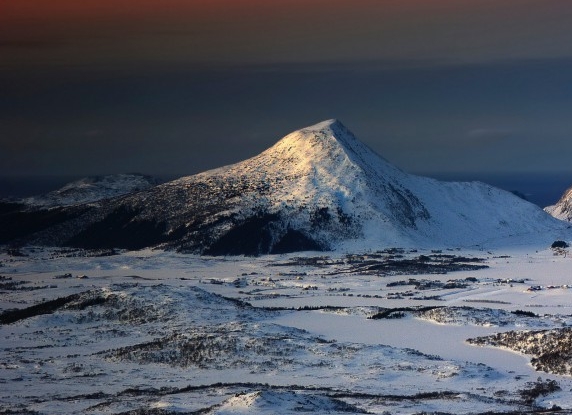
(159, 330)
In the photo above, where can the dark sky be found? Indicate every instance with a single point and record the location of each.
(173, 87)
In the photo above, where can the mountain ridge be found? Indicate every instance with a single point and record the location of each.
(563, 208)
(317, 188)
(92, 189)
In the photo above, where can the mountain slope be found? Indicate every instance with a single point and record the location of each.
(65, 207)
(318, 188)
(92, 189)
(563, 208)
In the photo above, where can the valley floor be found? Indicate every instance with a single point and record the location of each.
(392, 332)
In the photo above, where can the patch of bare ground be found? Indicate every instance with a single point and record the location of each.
(551, 350)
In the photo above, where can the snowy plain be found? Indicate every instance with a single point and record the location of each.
(159, 332)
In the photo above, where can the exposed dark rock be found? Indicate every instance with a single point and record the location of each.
(559, 244)
(551, 350)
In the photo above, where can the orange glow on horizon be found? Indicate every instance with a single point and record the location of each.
(255, 31)
(23, 10)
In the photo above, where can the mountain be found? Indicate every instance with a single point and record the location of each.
(92, 189)
(563, 208)
(20, 219)
(318, 188)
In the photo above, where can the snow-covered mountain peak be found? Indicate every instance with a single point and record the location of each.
(563, 208)
(322, 142)
(323, 166)
(318, 142)
(332, 131)
(330, 124)
(317, 188)
(325, 154)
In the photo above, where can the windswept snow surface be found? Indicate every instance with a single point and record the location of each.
(156, 332)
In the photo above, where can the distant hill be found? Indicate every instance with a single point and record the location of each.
(92, 189)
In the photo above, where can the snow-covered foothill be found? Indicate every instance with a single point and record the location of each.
(92, 189)
(156, 331)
